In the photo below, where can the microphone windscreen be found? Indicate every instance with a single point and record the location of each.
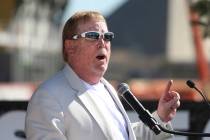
(122, 88)
(190, 83)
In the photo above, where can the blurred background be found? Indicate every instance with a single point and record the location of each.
(155, 41)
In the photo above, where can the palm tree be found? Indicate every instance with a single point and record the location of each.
(202, 7)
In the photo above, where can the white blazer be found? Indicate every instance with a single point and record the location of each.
(63, 109)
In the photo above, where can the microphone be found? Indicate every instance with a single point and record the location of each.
(144, 114)
(191, 84)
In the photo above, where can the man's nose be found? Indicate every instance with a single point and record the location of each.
(101, 42)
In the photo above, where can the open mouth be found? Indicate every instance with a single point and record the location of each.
(101, 57)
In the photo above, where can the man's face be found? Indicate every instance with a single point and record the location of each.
(89, 58)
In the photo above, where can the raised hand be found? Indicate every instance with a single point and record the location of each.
(168, 103)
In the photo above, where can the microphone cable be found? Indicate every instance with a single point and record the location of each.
(182, 133)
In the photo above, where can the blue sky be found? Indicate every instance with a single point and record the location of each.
(106, 7)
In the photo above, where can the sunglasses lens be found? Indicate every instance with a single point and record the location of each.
(108, 36)
(92, 35)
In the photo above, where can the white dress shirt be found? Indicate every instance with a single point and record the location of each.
(110, 110)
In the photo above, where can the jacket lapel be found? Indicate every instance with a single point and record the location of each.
(115, 97)
(87, 100)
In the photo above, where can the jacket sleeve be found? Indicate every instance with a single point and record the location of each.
(142, 132)
(44, 118)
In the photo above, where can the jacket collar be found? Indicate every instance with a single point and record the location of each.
(74, 81)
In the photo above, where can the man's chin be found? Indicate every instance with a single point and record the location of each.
(101, 71)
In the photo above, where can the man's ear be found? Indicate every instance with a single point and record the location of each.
(69, 46)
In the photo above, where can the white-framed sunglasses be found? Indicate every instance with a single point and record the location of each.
(94, 35)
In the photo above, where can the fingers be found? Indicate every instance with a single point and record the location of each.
(168, 86)
(175, 94)
(174, 103)
(166, 96)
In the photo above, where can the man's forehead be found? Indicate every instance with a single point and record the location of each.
(92, 25)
